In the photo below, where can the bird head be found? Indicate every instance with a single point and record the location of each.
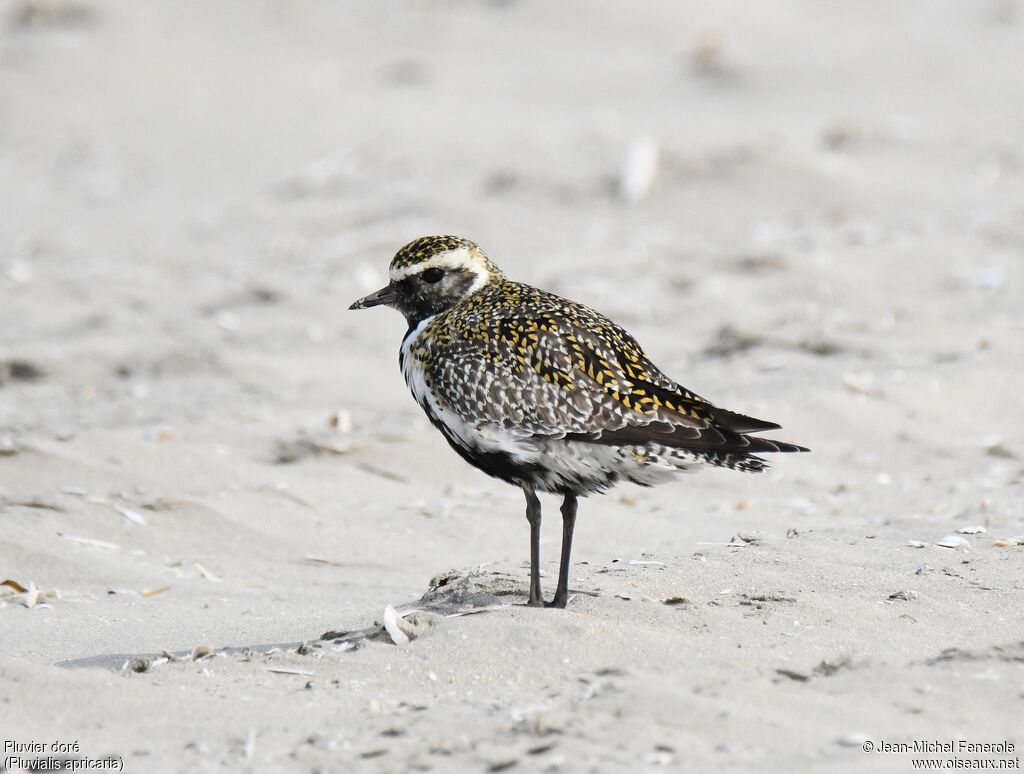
(432, 274)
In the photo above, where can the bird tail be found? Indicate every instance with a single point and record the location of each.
(746, 460)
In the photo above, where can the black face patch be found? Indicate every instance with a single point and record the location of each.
(425, 294)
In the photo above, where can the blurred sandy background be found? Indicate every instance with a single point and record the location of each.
(812, 213)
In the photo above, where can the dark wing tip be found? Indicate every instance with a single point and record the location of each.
(740, 423)
(712, 439)
(782, 446)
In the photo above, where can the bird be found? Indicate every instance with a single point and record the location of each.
(545, 393)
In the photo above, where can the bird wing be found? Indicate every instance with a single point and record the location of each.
(567, 371)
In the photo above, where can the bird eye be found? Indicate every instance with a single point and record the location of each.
(432, 275)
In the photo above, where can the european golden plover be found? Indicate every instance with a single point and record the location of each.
(545, 393)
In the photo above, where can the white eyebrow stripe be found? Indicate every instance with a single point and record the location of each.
(459, 258)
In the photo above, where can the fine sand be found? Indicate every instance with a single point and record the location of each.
(811, 213)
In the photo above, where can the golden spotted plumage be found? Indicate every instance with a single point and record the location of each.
(518, 328)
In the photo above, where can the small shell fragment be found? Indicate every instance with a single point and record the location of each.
(852, 739)
(659, 757)
(917, 544)
(639, 169)
(317, 560)
(287, 671)
(201, 651)
(953, 541)
(393, 629)
(975, 530)
(133, 516)
(903, 596)
(340, 420)
(1009, 542)
(90, 541)
(861, 383)
(207, 574)
(159, 433)
(33, 595)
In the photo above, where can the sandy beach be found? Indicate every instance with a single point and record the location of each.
(810, 214)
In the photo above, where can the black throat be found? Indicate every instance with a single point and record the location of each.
(418, 300)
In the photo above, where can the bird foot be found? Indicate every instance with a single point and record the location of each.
(557, 602)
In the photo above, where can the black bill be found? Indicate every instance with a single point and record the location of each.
(378, 298)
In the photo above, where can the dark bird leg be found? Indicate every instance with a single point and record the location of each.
(569, 505)
(533, 516)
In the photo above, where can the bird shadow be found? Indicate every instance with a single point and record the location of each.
(450, 594)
